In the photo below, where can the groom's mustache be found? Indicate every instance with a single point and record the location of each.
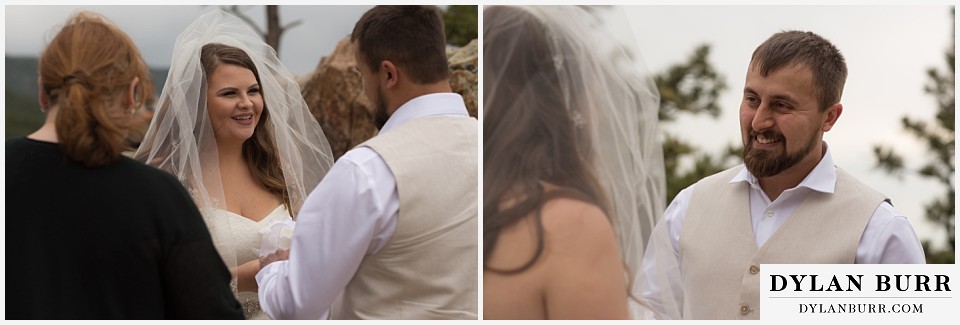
(768, 134)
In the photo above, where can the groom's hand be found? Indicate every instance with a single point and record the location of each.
(279, 255)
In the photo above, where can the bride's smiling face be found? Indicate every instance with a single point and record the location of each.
(234, 103)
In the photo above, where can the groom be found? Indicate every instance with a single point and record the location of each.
(787, 204)
(391, 231)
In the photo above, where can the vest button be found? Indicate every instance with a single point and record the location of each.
(754, 269)
(744, 309)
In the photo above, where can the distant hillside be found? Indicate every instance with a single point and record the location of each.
(23, 114)
(22, 75)
(22, 110)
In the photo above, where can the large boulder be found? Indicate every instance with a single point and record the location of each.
(463, 74)
(334, 94)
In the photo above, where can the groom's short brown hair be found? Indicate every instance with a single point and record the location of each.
(824, 60)
(411, 37)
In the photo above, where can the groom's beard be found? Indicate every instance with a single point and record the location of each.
(766, 163)
(380, 115)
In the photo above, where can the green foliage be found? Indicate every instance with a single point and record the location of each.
(460, 24)
(889, 160)
(939, 137)
(691, 87)
(943, 256)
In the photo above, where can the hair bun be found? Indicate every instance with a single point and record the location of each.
(77, 77)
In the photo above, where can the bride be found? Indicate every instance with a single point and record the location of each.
(232, 126)
(573, 168)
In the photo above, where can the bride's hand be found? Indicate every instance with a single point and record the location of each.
(279, 255)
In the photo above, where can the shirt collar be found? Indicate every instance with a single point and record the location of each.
(823, 177)
(426, 105)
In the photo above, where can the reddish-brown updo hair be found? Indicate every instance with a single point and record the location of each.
(85, 71)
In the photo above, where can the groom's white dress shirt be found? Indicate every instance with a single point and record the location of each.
(351, 214)
(887, 239)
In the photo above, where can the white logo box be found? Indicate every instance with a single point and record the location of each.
(859, 292)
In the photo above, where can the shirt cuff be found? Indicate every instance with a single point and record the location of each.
(267, 273)
(265, 281)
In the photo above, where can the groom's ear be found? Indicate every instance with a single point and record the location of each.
(389, 73)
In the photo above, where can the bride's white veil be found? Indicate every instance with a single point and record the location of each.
(180, 139)
(613, 101)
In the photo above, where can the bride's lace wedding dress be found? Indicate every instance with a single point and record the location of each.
(246, 234)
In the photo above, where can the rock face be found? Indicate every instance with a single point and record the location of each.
(334, 94)
(463, 74)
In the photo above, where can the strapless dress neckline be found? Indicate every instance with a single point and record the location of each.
(280, 211)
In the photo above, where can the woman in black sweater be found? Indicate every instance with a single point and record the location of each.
(91, 234)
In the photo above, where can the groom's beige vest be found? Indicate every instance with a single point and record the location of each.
(719, 257)
(428, 270)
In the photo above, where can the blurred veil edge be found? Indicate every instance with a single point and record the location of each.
(613, 100)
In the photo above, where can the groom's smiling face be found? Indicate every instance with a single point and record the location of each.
(371, 88)
(781, 123)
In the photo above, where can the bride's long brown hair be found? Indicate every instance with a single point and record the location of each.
(529, 135)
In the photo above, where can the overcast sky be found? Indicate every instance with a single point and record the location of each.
(888, 50)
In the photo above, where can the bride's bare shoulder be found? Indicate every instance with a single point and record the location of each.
(575, 224)
(583, 277)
